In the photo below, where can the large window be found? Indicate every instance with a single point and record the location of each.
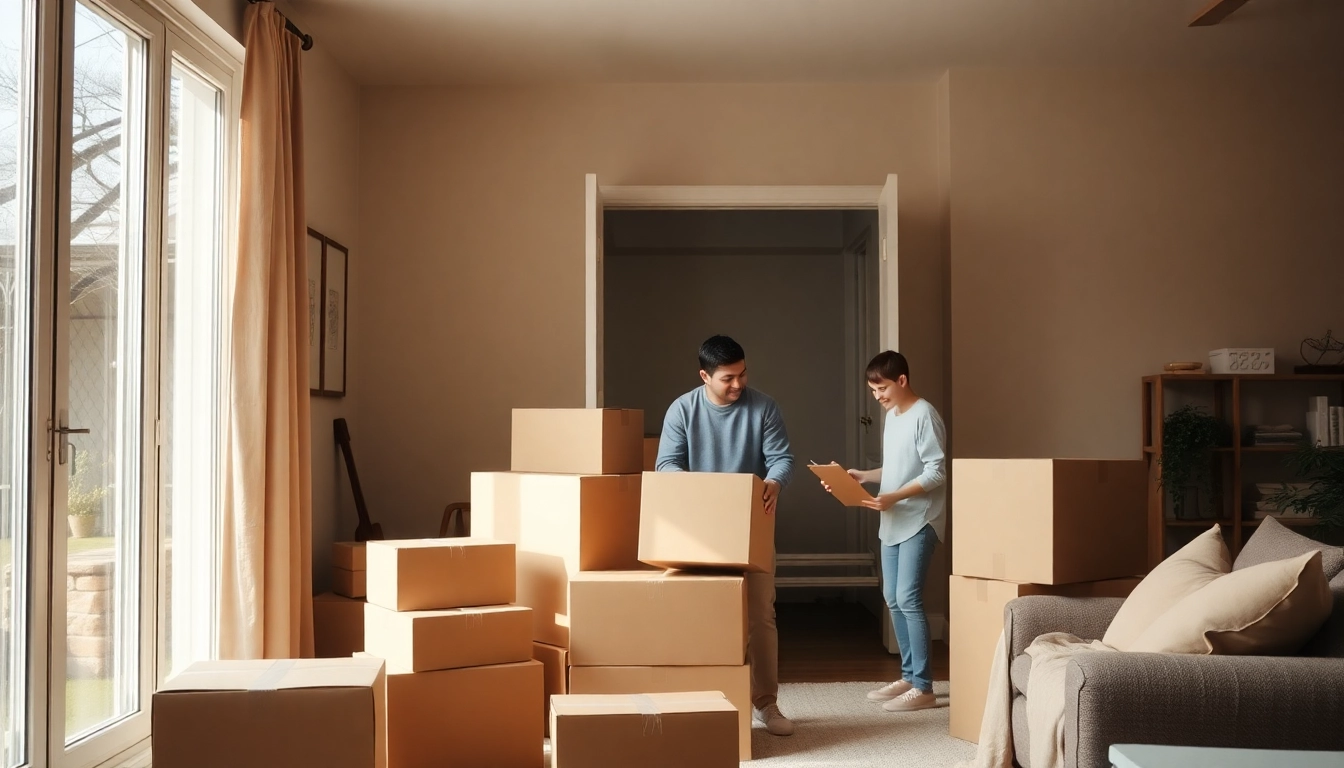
(117, 129)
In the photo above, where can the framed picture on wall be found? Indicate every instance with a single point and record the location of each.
(327, 302)
(314, 253)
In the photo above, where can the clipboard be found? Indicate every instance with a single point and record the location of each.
(843, 487)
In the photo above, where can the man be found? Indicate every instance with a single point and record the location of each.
(724, 426)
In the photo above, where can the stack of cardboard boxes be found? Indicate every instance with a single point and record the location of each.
(570, 503)
(683, 629)
(589, 530)
(338, 615)
(1069, 527)
(461, 681)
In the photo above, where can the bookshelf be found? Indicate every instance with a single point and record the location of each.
(1240, 401)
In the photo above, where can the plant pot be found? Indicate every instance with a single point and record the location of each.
(82, 526)
(1187, 506)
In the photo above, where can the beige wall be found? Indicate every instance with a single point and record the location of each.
(1104, 223)
(472, 207)
(228, 14)
(331, 129)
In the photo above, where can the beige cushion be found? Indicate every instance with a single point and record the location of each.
(1195, 565)
(1267, 609)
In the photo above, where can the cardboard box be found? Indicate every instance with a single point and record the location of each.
(650, 618)
(338, 626)
(975, 621)
(436, 574)
(650, 454)
(420, 641)
(561, 524)
(474, 717)
(658, 729)
(705, 520)
(349, 583)
(733, 682)
(556, 663)
(578, 441)
(349, 555)
(272, 714)
(1049, 521)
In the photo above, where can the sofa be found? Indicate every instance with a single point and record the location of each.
(1265, 702)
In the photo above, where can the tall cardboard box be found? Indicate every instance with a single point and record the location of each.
(732, 682)
(578, 441)
(650, 618)
(1049, 521)
(338, 626)
(975, 621)
(705, 520)
(474, 717)
(556, 663)
(419, 641)
(273, 714)
(561, 524)
(658, 729)
(435, 574)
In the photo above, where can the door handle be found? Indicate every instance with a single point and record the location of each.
(65, 433)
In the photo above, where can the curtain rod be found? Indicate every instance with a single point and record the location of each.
(289, 25)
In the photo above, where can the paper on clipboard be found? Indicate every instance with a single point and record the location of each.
(843, 486)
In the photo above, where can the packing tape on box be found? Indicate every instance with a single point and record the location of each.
(981, 591)
(999, 566)
(270, 679)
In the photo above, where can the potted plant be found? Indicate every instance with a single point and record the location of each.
(84, 504)
(1188, 437)
(1323, 498)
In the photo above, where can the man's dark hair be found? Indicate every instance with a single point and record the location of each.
(888, 365)
(718, 351)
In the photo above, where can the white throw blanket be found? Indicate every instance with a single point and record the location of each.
(1050, 656)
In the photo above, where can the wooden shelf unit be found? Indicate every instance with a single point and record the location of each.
(1227, 460)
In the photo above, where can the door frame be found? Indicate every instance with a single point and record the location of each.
(599, 198)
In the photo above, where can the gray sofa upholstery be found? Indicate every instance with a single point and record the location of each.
(1293, 702)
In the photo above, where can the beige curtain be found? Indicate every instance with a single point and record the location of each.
(266, 582)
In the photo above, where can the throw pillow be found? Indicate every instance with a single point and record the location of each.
(1273, 540)
(1194, 565)
(1268, 609)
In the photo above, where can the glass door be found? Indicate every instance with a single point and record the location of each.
(100, 667)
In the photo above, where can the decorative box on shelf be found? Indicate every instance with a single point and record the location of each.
(1242, 360)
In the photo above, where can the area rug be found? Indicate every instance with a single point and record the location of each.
(837, 727)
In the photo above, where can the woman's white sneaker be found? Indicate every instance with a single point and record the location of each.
(889, 691)
(911, 700)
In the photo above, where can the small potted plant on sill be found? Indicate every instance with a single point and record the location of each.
(1189, 436)
(84, 504)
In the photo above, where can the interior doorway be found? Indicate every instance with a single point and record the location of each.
(798, 290)
(842, 237)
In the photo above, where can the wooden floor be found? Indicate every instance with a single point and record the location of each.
(838, 643)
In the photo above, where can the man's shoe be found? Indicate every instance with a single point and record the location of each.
(775, 721)
(889, 692)
(912, 700)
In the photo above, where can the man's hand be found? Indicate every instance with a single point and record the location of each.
(882, 502)
(770, 496)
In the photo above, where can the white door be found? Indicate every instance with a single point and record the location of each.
(888, 333)
(592, 252)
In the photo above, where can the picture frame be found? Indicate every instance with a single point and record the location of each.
(328, 302)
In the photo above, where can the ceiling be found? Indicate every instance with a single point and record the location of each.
(421, 42)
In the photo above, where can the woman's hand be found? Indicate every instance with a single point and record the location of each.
(881, 502)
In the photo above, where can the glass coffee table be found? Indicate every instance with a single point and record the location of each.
(1159, 756)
